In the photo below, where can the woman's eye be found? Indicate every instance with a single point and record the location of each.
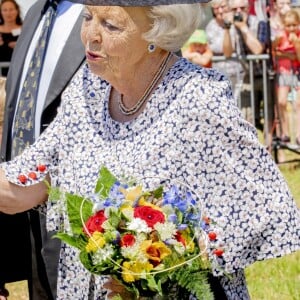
(110, 27)
(86, 16)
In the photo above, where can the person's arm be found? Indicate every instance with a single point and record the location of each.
(296, 42)
(15, 199)
(252, 42)
(198, 58)
(281, 54)
(227, 43)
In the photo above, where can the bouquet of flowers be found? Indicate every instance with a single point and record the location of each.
(150, 241)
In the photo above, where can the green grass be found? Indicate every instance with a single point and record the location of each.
(268, 280)
(279, 278)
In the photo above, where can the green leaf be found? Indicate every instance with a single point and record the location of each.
(54, 193)
(79, 209)
(68, 239)
(105, 181)
(153, 285)
(158, 193)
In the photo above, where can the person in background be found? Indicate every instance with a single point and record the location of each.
(287, 63)
(143, 112)
(197, 50)
(234, 32)
(279, 9)
(33, 255)
(251, 37)
(10, 29)
(220, 37)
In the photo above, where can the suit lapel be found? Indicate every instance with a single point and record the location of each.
(69, 61)
(19, 53)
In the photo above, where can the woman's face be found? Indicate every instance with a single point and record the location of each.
(219, 9)
(9, 12)
(282, 6)
(112, 37)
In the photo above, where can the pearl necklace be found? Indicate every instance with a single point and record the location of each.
(130, 111)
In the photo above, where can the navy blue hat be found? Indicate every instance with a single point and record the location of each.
(136, 2)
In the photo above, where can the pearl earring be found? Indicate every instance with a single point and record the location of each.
(151, 48)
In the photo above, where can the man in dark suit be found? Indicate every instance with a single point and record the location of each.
(27, 250)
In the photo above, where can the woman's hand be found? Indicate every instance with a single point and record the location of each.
(15, 198)
(116, 288)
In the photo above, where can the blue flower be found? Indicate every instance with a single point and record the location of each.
(173, 198)
(115, 197)
(182, 227)
(173, 218)
(190, 200)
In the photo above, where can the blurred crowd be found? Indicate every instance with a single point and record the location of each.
(239, 28)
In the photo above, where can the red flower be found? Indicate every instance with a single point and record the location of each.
(127, 240)
(94, 223)
(149, 215)
(180, 238)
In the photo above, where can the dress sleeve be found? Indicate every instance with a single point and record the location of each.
(39, 159)
(241, 186)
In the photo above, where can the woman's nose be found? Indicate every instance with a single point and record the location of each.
(93, 33)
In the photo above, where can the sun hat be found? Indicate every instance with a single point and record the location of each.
(199, 36)
(136, 2)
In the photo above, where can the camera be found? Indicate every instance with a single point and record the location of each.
(238, 17)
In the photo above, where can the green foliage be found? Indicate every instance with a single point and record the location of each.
(79, 210)
(72, 241)
(194, 279)
(54, 192)
(158, 193)
(105, 181)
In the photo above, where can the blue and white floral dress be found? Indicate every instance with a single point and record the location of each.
(190, 131)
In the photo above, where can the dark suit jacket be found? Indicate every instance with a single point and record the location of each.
(15, 256)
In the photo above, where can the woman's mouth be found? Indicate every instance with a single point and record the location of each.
(92, 56)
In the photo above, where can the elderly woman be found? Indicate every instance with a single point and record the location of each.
(141, 111)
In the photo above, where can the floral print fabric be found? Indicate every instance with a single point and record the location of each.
(190, 131)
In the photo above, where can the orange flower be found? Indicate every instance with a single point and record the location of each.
(156, 251)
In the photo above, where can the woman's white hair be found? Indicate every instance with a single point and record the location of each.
(172, 25)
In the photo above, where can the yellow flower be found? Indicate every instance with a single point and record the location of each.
(190, 245)
(143, 202)
(95, 242)
(131, 194)
(156, 251)
(133, 271)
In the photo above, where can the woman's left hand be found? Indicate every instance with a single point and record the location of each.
(115, 288)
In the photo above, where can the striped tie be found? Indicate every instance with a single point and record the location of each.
(24, 127)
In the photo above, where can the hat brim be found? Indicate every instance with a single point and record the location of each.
(136, 3)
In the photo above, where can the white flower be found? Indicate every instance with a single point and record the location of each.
(165, 230)
(138, 225)
(133, 253)
(102, 254)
